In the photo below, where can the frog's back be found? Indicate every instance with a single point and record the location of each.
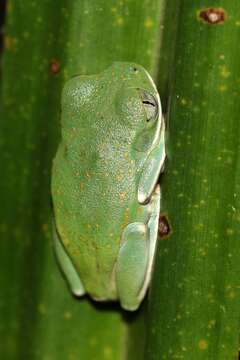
(92, 206)
(94, 176)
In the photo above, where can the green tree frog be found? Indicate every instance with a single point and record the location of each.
(105, 191)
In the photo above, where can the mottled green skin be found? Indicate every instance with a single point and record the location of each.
(105, 140)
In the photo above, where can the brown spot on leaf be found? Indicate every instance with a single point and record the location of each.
(10, 43)
(54, 66)
(212, 16)
(163, 227)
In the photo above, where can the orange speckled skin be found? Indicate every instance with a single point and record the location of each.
(105, 141)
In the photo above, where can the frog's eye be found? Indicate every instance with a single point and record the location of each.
(150, 105)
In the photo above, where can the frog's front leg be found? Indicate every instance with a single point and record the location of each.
(135, 259)
(67, 266)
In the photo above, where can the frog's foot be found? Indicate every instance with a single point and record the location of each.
(135, 259)
(67, 266)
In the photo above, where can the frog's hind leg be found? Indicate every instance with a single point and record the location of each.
(135, 259)
(67, 266)
(132, 264)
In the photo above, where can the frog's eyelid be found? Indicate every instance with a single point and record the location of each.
(148, 102)
(147, 96)
(153, 109)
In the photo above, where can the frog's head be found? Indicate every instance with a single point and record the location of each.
(115, 112)
(136, 105)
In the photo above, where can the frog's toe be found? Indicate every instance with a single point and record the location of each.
(131, 265)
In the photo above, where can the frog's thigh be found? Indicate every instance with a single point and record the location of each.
(67, 266)
(132, 264)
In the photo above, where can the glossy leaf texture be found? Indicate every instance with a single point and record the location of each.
(47, 42)
(194, 300)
